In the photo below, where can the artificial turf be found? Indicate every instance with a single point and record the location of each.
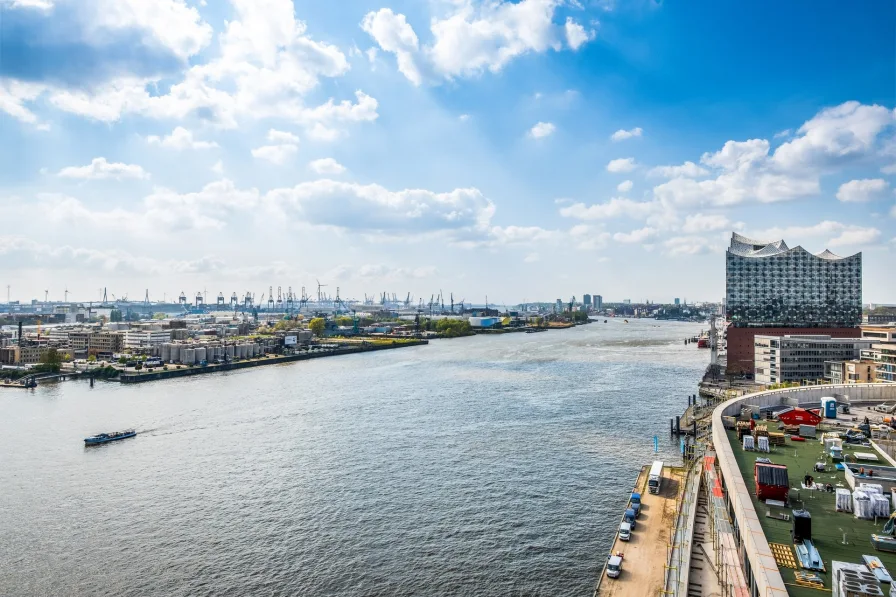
(828, 525)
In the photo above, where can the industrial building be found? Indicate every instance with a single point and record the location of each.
(794, 358)
(773, 290)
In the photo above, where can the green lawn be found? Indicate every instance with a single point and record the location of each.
(828, 525)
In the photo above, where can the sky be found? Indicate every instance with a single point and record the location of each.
(524, 151)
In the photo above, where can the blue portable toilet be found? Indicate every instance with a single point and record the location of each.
(829, 407)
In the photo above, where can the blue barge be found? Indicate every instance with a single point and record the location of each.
(105, 438)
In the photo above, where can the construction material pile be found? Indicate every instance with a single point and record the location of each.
(856, 582)
(776, 439)
(844, 500)
(861, 505)
(762, 444)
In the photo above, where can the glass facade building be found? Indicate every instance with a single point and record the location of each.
(772, 285)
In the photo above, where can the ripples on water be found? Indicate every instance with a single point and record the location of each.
(478, 466)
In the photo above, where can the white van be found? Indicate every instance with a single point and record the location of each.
(625, 531)
(614, 566)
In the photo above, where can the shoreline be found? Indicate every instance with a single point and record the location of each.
(185, 371)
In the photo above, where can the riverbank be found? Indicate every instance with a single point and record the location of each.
(186, 371)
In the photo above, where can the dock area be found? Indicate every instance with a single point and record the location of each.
(644, 564)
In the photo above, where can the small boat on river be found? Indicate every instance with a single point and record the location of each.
(105, 438)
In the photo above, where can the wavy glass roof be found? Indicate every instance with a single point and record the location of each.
(747, 247)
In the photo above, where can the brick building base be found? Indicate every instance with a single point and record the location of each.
(741, 349)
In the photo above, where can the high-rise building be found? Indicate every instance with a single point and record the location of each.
(774, 290)
(677, 302)
(598, 302)
(586, 300)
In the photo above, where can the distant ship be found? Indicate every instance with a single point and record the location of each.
(105, 438)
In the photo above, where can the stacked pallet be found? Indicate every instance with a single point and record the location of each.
(760, 431)
(743, 428)
(776, 439)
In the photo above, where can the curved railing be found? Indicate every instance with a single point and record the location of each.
(766, 576)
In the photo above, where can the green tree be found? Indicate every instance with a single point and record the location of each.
(51, 360)
(91, 358)
(451, 328)
(317, 326)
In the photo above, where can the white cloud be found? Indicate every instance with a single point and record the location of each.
(614, 208)
(747, 171)
(375, 272)
(38, 4)
(180, 138)
(374, 208)
(100, 169)
(13, 97)
(264, 66)
(686, 170)
(697, 223)
(855, 236)
(623, 134)
(476, 37)
(835, 134)
(464, 117)
(471, 37)
(690, 245)
(635, 236)
(860, 191)
(275, 136)
(218, 167)
(393, 34)
(621, 165)
(27, 253)
(326, 166)
(576, 35)
(532, 258)
(322, 133)
(170, 23)
(891, 169)
(276, 154)
(782, 134)
(837, 233)
(625, 186)
(541, 130)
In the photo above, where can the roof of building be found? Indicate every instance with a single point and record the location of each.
(747, 247)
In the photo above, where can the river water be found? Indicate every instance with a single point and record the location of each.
(492, 465)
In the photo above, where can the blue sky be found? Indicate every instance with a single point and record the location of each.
(528, 150)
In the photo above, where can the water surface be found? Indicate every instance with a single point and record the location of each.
(493, 465)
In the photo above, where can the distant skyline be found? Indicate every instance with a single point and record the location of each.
(527, 150)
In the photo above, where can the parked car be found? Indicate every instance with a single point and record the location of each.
(635, 504)
(625, 531)
(614, 566)
(629, 517)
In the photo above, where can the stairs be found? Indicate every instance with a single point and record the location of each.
(699, 559)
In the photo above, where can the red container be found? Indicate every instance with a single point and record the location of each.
(799, 416)
(772, 482)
